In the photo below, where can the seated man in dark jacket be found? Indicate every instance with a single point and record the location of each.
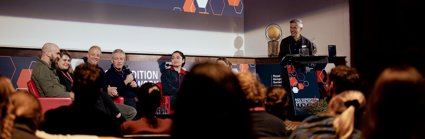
(121, 77)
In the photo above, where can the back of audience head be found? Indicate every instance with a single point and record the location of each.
(277, 101)
(6, 89)
(17, 107)
(348, 108)
(149, 98)
(88, 82)
(24, 108)
(276, 94)
(338, 121)
(224, 61)
(342, 78)
(254, 90)
(395, 105)
(223, 110)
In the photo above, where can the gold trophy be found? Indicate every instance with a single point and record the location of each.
(273, 34)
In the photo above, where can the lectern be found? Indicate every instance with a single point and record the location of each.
(304, 77)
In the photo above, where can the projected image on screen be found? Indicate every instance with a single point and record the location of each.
(196, 27)
(209, 7)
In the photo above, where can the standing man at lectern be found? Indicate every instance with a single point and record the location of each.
(292, 44)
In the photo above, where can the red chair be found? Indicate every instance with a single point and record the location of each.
(32, 88)
(165, 102)
(119, 100)
(48, 103)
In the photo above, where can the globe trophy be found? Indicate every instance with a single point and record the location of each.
(273, 34)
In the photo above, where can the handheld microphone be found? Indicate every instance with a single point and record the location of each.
(168, 64)
(126, 70)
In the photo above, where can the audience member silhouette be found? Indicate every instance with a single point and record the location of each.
(83, 116)
(6, 89)
(149, 98)
(396, 104)
(277, 102)
(265, 124)
(6, 118)
(338, 121)
(342, 78)
(225, 62)
(23, 117)
(211, 104)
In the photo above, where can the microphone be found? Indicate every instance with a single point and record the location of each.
(168, 64)
(126, 70)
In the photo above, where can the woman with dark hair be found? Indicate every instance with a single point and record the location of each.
(64, 69)
(149, 98)
(211, 104)
(173, 75)
(395, 105)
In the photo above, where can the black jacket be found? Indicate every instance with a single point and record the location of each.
(116, 78)
(288, 45)
(171, 80)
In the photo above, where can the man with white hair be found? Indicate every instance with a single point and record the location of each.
(44, 75)
(121, 77)
(292, 44)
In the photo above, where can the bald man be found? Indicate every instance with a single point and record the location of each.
(44, 75)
